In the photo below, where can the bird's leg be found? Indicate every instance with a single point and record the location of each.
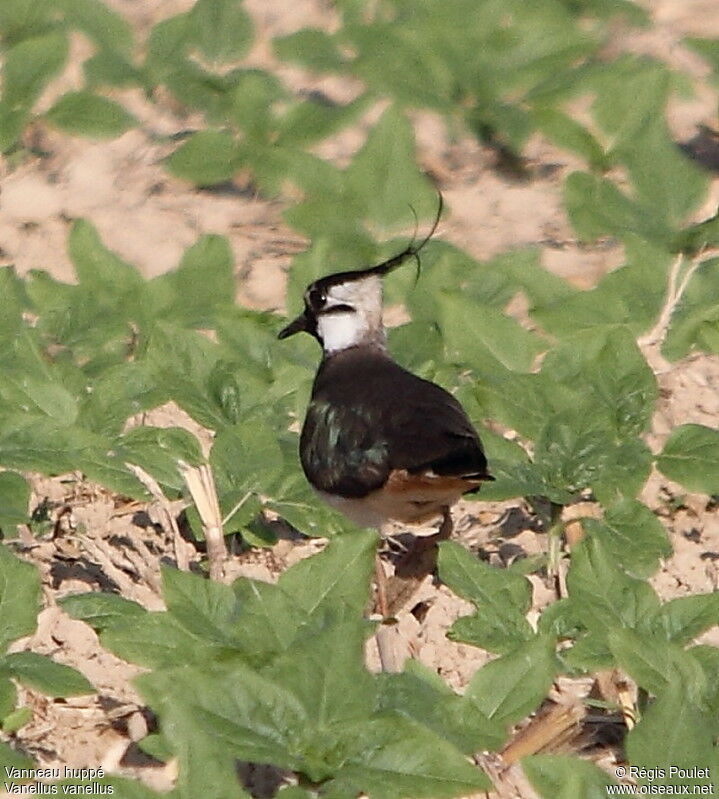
(381, 604)
(447, 527)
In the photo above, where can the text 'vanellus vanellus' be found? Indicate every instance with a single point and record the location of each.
(379, 443)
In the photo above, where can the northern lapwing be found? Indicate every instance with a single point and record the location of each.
(379, 443)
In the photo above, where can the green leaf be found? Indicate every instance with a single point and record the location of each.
(29, 66)
(221, 29)
(269, 621)
(246, 458)
(10, 759)
(384, 174)
(12, 123)
(502, 600)
(512, 686)
(673, 734)
(603, 596)
(257, 719)
(206, 158)
(390, 757)
(691, 457)
(166, 46)
(567, 133)
(19, 598)
(326, 672)
(14, 501)
(158, 450)
(656, 664)
(44, 675)
(8, 697)
(106, 27)
(611, 365)
(684, 618)
(633, 536)
(419, 694)
(338, 576)
(597, 208)
(84, 113)
(101, 610)
(203, 282)
(99, 268)
(565, 777)
(157, 642)
(478, 335)
(312, 48)
(205, 608)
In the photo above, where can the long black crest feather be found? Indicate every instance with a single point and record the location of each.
(411, 251)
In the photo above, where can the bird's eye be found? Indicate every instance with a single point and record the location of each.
(317, 298)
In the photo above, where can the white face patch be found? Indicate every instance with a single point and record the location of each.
(349, 328)
(341, 330)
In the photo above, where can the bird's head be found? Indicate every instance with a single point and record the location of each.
(345, 309)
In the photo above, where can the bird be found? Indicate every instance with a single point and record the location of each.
(379, 443)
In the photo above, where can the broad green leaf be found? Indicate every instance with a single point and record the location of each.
(11, 759)
(19, 598)
(523, 402)
(101, 610)
(84, 113)
(166, 46)
(695, 323)
(14, 500)
(685, 617)
(257, 719)
(603, 596)
(268, 623)
(565, 777)
(8, 697)
(633, 536)
(203, 282)
(106, 27)
(158, 450)
(47, 396)
(479, 335)
(597, 208)
(691, 457)
(29, 65)
(12, 123)
(205, 608)
(631, 295)
(391, 756)
(221, 29)
(673, 734)
(98, 267)
(610, 364)
(44, 675)
(627, 105)
(312, 48)
(567, 133)
(109, 68)
(385, 177)
(339, 575)
(657, 665)
(512, 686)
(246, 458)
(326, 672)
(419, 694)
(206, 158)
(589, 654)
(158, 641)
(502, 600)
